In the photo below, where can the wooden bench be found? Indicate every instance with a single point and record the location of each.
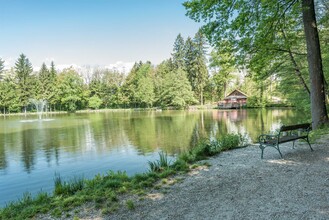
(286, 134)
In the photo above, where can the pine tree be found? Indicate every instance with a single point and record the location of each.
(8, 98)
(52, 98)
(200, 65)
(190, 54)
(23, 70)
(2, 66)
(44, 81)
(179, 53)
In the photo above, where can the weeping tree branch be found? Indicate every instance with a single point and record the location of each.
(294, 63)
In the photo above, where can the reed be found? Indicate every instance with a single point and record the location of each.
(161, 164)
(68, 188)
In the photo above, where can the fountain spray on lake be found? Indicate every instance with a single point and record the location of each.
(40, 105)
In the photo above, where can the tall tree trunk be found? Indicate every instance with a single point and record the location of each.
(224, 88)
(261, 93)
(318, 101)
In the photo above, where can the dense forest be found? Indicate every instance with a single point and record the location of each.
(269, 64)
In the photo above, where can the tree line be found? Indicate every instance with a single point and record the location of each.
(176, 82)
(261, 50)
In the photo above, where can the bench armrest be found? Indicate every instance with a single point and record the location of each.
(264, 138)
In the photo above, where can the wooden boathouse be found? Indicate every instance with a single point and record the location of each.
(235, 99)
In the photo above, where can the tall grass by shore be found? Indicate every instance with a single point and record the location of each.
(103, 191)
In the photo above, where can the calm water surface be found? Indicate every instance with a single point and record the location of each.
(85, 144)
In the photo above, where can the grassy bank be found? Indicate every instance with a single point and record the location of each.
(103, 191)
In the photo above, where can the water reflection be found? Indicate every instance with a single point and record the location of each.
(172, 132)
(93, 143)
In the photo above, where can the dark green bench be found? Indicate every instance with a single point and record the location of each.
(286, 134)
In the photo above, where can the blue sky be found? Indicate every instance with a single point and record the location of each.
(91, 32)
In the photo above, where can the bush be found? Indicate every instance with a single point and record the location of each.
(94, 102)
(206, 148)
(229, 141)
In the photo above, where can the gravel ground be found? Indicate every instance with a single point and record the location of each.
(240, 185)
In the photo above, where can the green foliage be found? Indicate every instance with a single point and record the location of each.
(179, 53)
(23, 70)
(269, 56)
(145, 92)
(206, 148)
(70, 90)
(2, 66)
(181, 163)
(67, 188)
(222, 63)
(253, 101)
(94, 102)
(268, 38)
(161, 164)
(139, 86)
(315, 135)
(177, 91)
(130, 204)
(190, 57)
(9, 101)
(199, 65)
(228, 142)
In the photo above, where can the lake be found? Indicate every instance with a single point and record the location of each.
(32, 151)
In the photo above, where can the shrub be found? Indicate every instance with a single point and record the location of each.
(229, 141)
(130, 204)
(206, 148)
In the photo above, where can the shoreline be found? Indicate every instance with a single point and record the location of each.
(227, 168)
(103, 191)
(190, 108)
(240, 185)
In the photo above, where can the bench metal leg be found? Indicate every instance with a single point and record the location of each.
(263, 147)
(309, 144)
(277, 147)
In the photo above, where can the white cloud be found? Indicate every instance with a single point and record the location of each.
(121, 66)
(49, 60)
(60, 67)
(9, 62)
(36, 68)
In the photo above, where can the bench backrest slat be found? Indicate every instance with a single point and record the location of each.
(295, 127)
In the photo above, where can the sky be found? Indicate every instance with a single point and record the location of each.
(91, 32)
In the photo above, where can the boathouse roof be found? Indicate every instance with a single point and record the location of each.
(236, 94)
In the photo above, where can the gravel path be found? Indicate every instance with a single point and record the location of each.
(239, 185)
